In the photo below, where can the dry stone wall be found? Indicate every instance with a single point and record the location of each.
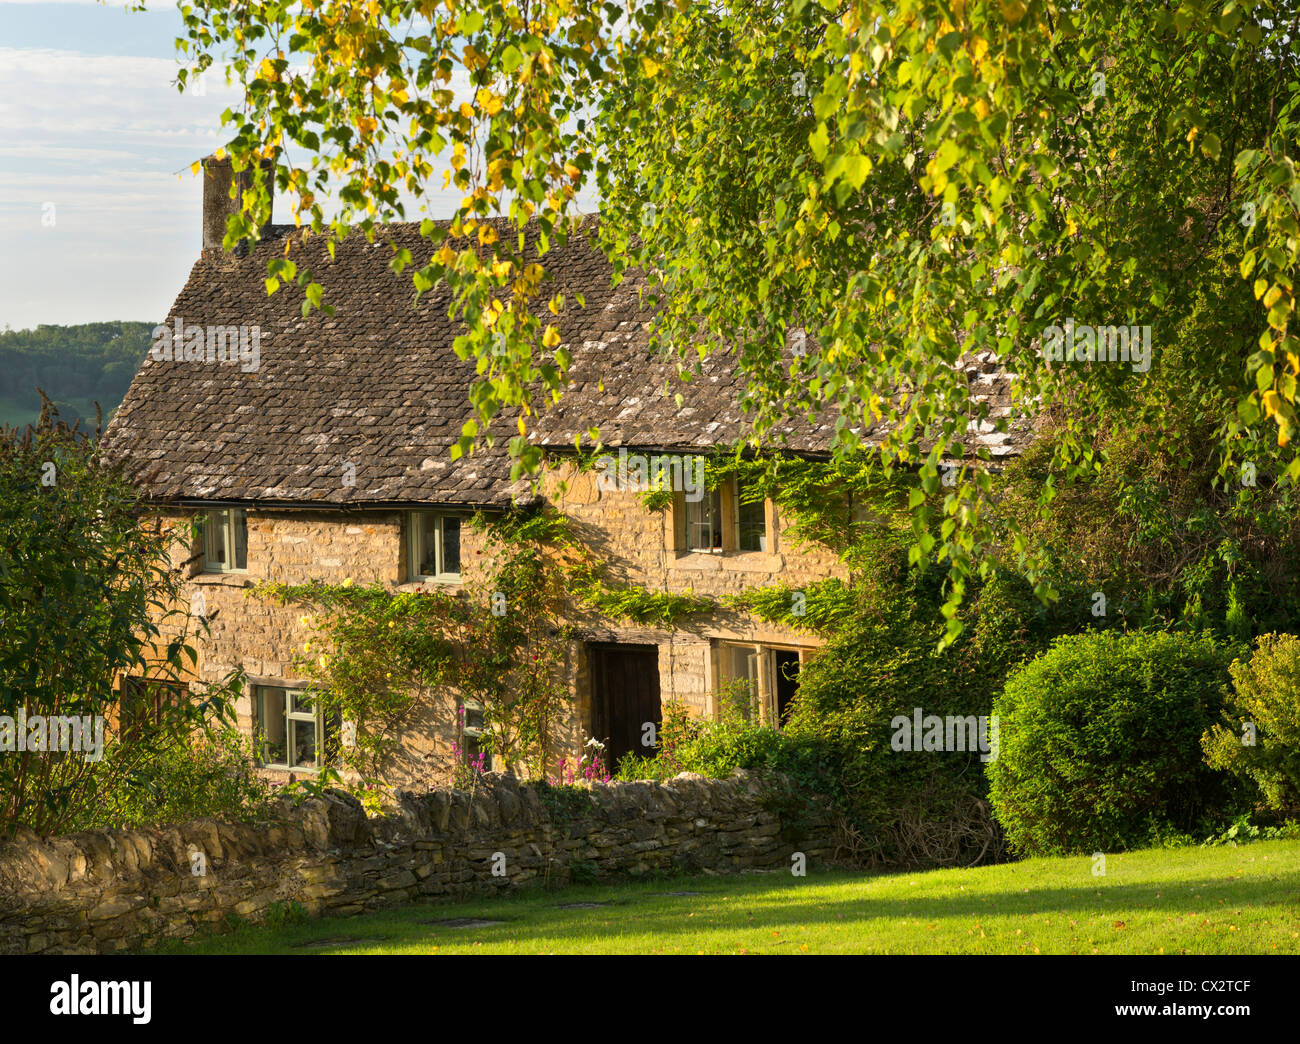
(116, 890)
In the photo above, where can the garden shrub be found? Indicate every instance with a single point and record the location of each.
(918, 808)
(1100, 742)
(1265, 695)
(212, 774)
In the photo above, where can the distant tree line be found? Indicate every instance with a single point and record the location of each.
(76, 366)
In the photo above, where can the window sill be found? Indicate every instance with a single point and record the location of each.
(239, 579)
(720, 561)
(425, 582)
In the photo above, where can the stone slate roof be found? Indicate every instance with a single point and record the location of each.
(377, 385)
(627, 390)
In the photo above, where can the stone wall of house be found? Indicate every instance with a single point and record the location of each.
(637, 547)
(295, 547)
(634, 544)
(115, 890)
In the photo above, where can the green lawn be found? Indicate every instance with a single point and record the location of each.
(1193, 900)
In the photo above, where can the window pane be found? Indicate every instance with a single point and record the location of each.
(301, 701)
(451, 544)
(704, 523)
(239, 520)
(751, 521)
(303, 738)
(427, 531)
(214, 541)
(271, 723)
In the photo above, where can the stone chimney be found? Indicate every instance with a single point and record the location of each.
(217, 204)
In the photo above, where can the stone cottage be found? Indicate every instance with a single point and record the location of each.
(319, 448)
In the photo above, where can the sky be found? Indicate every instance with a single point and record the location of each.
(100, 217)
(94, 222)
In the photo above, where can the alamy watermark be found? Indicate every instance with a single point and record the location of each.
(639, 473)
(208, 344)
(929, 732)
(71, 996)
(59, 732)
(1079, 343)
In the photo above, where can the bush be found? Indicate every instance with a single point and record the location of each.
(210, 775)
(1100, 742)
(914, 808)
(1266, 694)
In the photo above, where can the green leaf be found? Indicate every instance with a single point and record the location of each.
(819, 141)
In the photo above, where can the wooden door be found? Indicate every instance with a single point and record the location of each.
(625, 697)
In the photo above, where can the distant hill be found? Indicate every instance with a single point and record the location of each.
(74, 365)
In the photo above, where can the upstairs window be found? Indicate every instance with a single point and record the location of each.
(225, 541)
(704, 522)
(434, 546)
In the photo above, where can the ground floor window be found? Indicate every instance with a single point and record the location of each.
(760, 681)
(473, 750)
(292, 730)
(144, 702)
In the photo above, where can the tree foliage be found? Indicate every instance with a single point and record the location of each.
(899, 183)
(88, 594)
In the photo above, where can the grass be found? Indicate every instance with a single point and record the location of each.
(1190, 900)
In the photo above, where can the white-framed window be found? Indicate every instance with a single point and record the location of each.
(751, 520)
(291, 729)
(704, 522)
(225, 541)
(433, 546)
(760, 681)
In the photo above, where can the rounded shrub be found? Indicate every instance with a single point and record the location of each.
(1100, 742)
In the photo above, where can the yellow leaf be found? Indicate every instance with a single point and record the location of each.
(490, 102)
(467, 110)
(551, 337)
(1071, 228)
(650, 66)
(196, 166)
(1013, 10)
